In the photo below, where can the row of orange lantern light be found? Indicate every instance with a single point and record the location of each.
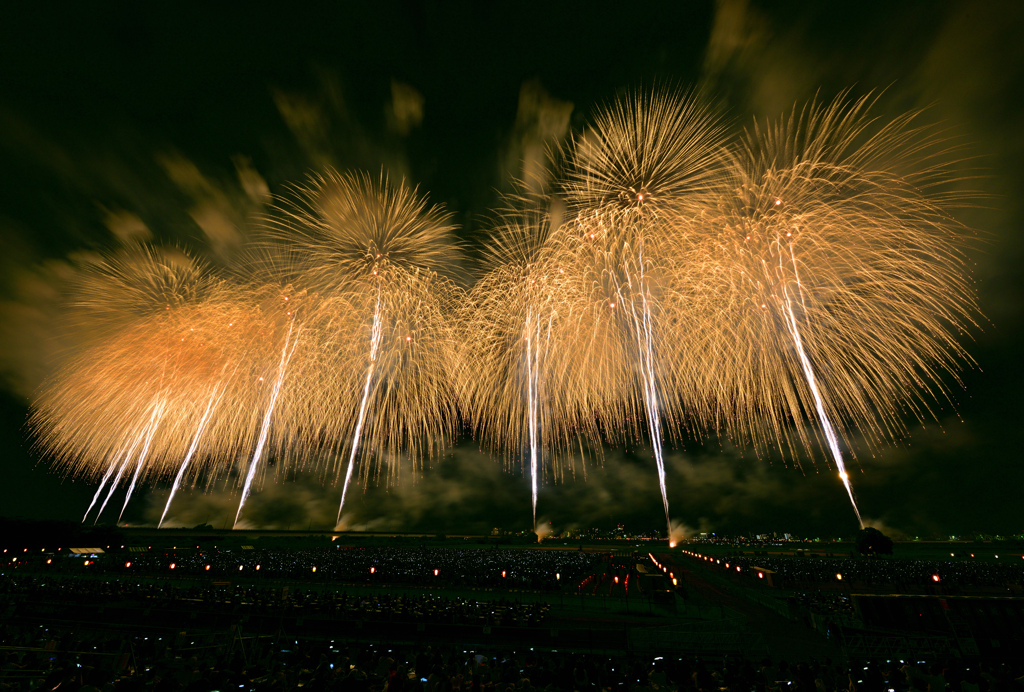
(760, 575)
(664, 569)
(174, 565)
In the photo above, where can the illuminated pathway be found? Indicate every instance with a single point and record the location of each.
(785, 638)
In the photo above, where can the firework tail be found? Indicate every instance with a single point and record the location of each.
(286, 353)
(153, 425)
(643, 329)
(120, 472)
(532, 383)
(375, 338)
(826, 425)
(215, 396)
(103, 483)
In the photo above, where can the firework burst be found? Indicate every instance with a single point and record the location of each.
(131, 286)
(530, 356)
(646, 152)
(141, 399)
(810, 271)
(646, 163)
(372, 252)
(831, 282)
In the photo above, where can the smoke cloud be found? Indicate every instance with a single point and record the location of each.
(542, 123)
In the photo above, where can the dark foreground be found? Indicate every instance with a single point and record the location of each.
(340, 617)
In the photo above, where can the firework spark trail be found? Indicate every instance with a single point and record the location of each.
(153, 425)
(215, 396)
(147, 433)
(103, 483)
(375, 337)
(286, 353)
(651, 401)
(120, 472)
(643, 329)
(830, 433)
(533, 404)
(533, 365)
(110, 491)
(805, 362)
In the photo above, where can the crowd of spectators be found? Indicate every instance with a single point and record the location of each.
(828, 603)
(211, 655)
(40, 658)
(449, 567)
(161, 597)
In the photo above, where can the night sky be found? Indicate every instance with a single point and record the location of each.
(171, 122)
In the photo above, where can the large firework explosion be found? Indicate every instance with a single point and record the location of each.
(788, 288)
(340, 343)
(645, 164)
(153, 349)
(532, 382)
(370, 250)
(831, 282)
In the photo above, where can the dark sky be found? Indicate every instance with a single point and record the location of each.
(170, 122)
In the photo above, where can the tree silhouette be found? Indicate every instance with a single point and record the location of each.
(871, 541)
